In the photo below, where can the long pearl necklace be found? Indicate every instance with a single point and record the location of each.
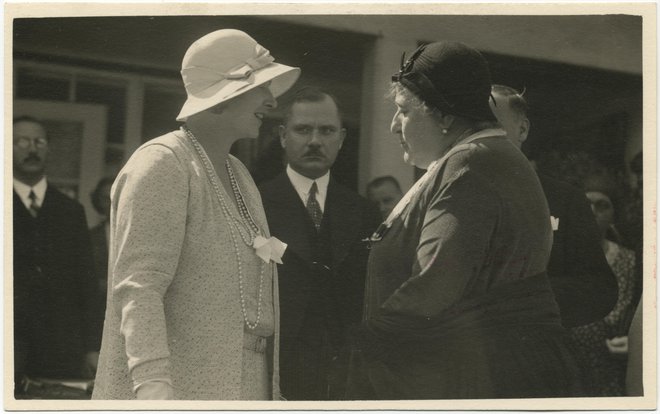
(244, 230)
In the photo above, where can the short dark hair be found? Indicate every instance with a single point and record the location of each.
(378, 181)
(28, 118)
(311, 94)
(514, 98)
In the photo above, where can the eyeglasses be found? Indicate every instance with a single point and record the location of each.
(25, 142)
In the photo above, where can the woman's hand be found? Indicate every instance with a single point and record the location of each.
(155, 390)
(618, 346)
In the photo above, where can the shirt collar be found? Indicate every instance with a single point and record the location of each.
(23, 191)
(302, 185)
(488, 132)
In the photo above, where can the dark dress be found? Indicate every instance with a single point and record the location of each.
(458, 304)
(605, 373)
(584, 286)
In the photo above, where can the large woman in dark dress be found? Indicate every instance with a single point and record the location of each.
(458, 304)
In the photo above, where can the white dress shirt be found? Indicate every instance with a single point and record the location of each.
(23, 191)
(303, 184)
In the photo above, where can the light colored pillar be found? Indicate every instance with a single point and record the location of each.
(380, 151)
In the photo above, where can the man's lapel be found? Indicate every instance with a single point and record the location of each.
(19, 208)
(344, 218)
(290, 221)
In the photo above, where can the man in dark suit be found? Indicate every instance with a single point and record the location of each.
(54, 289)
(585, 287)
(321, 280)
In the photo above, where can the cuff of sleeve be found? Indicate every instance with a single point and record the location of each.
(157, 369)
(163, 380)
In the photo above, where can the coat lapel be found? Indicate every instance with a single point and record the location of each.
(288, 218)
(20, 211)
(344, 214)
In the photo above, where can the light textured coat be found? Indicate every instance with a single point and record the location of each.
(173, 305)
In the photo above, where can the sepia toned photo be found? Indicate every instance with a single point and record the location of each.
(330, 206)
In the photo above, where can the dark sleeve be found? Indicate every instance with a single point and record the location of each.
(352, 299)
(585, 289)
(372, 218)
(89, 294)
(455, 236)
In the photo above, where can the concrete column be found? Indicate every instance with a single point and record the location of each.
(380, 152)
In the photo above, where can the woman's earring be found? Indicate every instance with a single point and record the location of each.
(444, 131)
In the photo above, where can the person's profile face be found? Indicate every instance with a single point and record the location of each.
(385, 196)
(512, 121)
(243, 115)
(30, 148)
(418, 131)
(312, 137)
(603, 209)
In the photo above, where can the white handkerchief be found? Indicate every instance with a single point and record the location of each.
(269, 248)
(554, 221)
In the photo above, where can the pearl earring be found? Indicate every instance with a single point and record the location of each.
(444, 131)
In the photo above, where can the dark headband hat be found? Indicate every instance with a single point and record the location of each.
(451, 77)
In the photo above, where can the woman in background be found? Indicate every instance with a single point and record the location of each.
(602, 345)
(192, 296)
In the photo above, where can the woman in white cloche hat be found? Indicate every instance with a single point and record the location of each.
(192, 308)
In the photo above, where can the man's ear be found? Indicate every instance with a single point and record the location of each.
(342, 135)
(282, 133)
(446, 121)
(524, 129)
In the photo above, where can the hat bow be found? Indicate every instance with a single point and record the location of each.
(199, 78)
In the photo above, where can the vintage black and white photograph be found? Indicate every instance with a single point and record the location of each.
(338, 206)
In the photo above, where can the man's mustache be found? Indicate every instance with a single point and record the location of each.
(32, 157)
(314, 153)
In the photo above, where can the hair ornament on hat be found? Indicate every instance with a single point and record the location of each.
(417, 78)
(406, 65)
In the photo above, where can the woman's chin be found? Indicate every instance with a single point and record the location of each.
(410, 160)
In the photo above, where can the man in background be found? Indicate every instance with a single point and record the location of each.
(55, 295)
(385, 192)
(321, 280)
(585, 287)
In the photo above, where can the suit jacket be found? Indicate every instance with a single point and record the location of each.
(585, 287)
(347, 220)
(54, 288)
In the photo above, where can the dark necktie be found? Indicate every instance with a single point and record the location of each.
(313, 207)
(34, 207)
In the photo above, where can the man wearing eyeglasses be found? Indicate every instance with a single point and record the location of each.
(54, 290)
